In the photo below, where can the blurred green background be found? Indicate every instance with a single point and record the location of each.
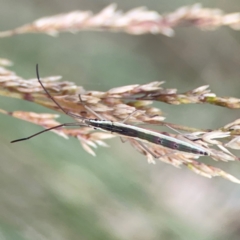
(50, 188)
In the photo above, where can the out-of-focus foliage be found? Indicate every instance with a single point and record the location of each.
(52, 189)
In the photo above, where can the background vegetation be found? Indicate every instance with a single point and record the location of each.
(50, 188)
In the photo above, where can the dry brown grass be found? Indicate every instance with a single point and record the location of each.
(115, 105)
(136, 21)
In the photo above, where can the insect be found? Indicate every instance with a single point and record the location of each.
(123, 129)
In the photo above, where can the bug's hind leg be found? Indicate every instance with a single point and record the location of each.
(145, 148)
(184, 135)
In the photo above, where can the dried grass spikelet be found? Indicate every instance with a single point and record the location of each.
(116, 105)
(177, 159)
(136, 21)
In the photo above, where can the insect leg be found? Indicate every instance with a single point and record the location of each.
(130, 115)
(123, 140)
(89, 109)
(153, 154)
(195, 139)
(147, 149)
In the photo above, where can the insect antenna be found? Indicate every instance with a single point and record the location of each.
(49, 129)
(58, 126)
(50, 96)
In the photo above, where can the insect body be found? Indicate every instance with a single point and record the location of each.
(123, 129)
(146, 136)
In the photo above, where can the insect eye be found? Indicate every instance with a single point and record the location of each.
(203, 153)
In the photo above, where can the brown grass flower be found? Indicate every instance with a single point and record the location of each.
(116, 105)
(136, 21)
